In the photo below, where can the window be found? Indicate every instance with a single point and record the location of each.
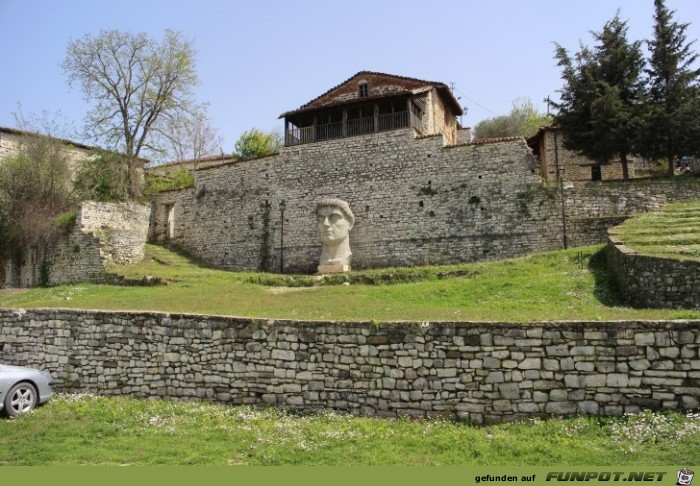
(596, 173)
(363, 91)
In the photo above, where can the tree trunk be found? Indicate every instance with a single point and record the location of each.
(134, 179)
(625, 168)
(671, 171)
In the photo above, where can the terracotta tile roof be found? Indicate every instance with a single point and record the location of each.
(380, 85)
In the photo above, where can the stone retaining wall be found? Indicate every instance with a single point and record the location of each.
(479, 372)
(651, 281)
(415, 201)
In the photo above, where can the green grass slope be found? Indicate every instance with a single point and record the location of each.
(559, 285)
(673, 231)
(89, 430)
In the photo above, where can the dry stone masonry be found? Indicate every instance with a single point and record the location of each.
(477, 372)
(653, 281)
(103, 234)
(415, 202)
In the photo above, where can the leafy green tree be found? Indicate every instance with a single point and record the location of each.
(523, 121)
(256, 143)
(601, 100)
(132, 81)
(672, 121)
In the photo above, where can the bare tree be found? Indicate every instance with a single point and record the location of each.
(132, 82)
(188, 136)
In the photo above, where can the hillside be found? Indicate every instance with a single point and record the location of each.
(560, 285)
(673, 231)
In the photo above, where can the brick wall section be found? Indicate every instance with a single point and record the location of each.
(650, 281)
(480, 372)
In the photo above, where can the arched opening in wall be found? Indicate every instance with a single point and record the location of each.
(169, 221)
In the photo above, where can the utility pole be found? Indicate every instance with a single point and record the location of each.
(283, 206)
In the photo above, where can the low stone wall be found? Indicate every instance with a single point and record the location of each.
(651, 281)
(479, 372)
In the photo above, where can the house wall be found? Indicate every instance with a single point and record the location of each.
(477, 372)
(11, 144)
(441, 121)
(576, 168)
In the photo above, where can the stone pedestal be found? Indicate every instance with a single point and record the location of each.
(333, 268)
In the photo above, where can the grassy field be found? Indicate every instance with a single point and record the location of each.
(673, 231)
(83, 429)
(559, 285)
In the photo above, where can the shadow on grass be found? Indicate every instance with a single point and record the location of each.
(606, 286)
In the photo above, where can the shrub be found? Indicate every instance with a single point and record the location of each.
(175, 179)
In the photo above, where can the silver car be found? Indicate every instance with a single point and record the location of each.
(22, 389)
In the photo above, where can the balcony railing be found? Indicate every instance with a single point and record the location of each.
(353, 127)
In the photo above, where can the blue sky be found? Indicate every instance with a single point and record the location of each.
(259, 58)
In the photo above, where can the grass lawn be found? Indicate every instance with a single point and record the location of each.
(83, 429)
(673, 231)
(559, 285)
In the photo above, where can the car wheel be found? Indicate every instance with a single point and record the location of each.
(21, 398)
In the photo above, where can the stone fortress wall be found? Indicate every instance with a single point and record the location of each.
(103, 234)
(478, 372)
(415, 200)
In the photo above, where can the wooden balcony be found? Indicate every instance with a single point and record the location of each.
(352, 127)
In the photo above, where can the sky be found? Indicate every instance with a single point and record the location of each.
(257, 59)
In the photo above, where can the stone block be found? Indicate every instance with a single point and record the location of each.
(494, 377)
(283, 355)
(644, 339)
(558, 350)
(502, 405)
(589, 407)
(560, 407)
(509, 391)
(530, 364)
(617, 380)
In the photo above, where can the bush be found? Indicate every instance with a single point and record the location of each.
(104, 177)
(34, 190)
(175, 179)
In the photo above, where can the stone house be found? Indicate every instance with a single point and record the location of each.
(548, 145)
(371, 102)
(12, 140)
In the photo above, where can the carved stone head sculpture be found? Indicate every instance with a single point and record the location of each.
(335, 220)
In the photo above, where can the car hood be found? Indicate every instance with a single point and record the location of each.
(16, 369)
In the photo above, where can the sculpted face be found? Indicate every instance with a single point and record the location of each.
(332, 225)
